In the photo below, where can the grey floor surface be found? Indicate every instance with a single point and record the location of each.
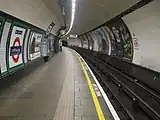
(57, 90)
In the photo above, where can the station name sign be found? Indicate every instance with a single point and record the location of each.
(50, 28)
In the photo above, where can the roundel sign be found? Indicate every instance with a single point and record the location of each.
(15, 47)
(16, 50)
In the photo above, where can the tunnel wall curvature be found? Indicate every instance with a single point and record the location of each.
(144, 24)
(134, 37)
(31, 11)
(116, 37)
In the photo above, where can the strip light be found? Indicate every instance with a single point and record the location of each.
(72, 16)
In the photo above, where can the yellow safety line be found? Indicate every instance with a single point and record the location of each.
(94, 96)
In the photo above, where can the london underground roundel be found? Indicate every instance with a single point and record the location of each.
(16, 50)
(16, 45)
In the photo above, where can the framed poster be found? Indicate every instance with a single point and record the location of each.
(111, 39)
(3, 45)
(81, 40)
(26, 46)
(85, 42)
(99, 39)
(34, 45)
(15, 56)
(118, 43)
(107, 39)
(90, 41)
(123, 43)
(104, 40)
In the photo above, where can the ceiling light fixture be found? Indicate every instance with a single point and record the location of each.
(72, 16)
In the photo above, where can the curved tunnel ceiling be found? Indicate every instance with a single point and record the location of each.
(92, 13)
(56, 8)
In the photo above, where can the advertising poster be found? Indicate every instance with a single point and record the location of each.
(16, 46)
(51, 41)
(3, 42)
(90, 43)
(99, 39)
(0, 37)
(104, 39)
(26, 46)
(114, 27)
(81, 40)
(34, 45)
(121, 40)
(94, 41)
(85, 42)
(127, 41)
(111, 38)
(107, 38)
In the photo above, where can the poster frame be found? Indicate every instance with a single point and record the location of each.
(15, 68)
(32, 31)
(3, 20)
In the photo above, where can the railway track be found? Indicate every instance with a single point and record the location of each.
(131, 99)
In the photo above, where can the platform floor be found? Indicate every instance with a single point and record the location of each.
(57, 90)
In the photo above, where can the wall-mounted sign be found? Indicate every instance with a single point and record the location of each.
(73, 36)
(50, 27)
(135, 42)
(16, 46)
